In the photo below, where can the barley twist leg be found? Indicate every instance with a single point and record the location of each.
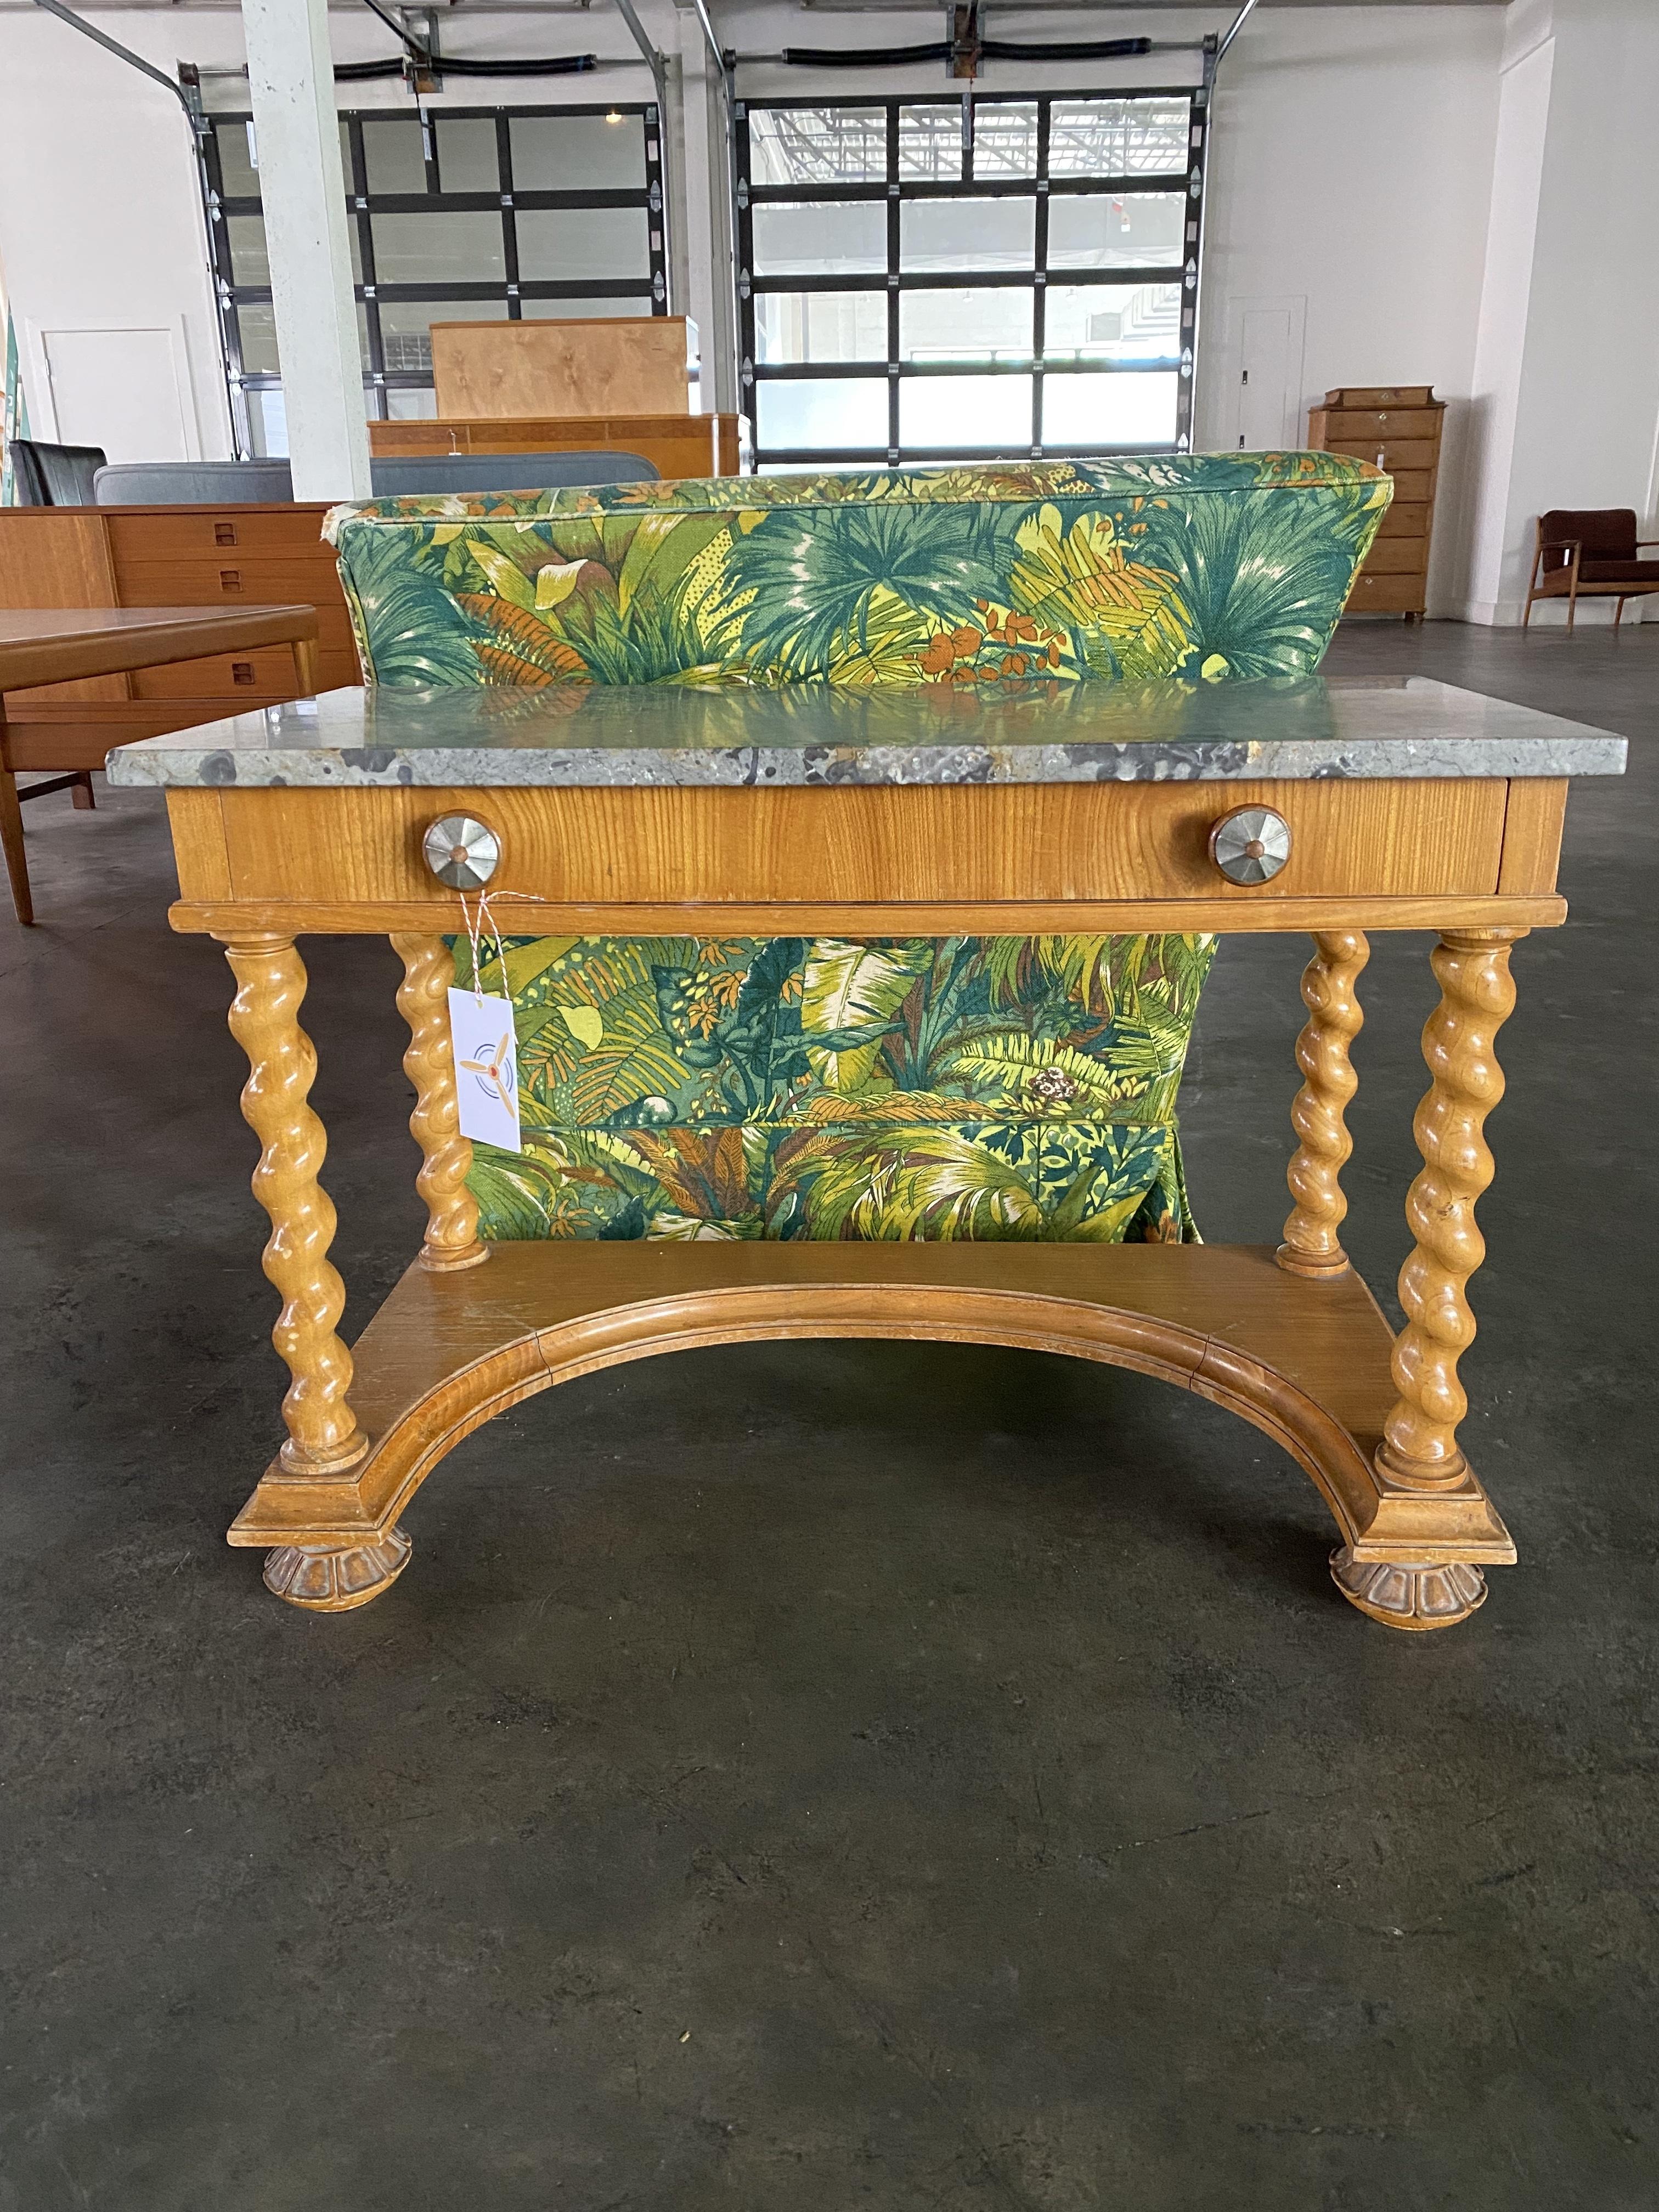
(1420, 1447)
(1311, 1245)
(452, 1230)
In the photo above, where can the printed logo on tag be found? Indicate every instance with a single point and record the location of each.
(486, 1069)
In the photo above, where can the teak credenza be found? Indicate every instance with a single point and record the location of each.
(664, 810)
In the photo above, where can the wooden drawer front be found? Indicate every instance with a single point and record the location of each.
(1382, 594)
(1412, 487)
(242, 678)
(261, 580)
(1397, 556)
(974, 842)
(1390, 453)
(1384, 423)
(1368, 396)
(1405, 519)
(206, 534)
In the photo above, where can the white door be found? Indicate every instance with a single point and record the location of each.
(1267, 363)
(123, 390)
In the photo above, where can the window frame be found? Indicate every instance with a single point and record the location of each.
(895, 192)
(362, 205)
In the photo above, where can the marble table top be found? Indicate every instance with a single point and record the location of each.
(1045, 732)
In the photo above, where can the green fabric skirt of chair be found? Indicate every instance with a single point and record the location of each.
(969, 1087)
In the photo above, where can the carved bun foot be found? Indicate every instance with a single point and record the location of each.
(1402, 1594)
(325, 1580)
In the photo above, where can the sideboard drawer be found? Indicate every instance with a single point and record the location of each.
(205, 533)
(850, 844)
(266, 673)
(1382, 422)
(231, 578)
(1378, 594)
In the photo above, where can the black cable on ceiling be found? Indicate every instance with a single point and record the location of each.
(455, 64)
(1098, 50)
(863, 56)
(991, 50)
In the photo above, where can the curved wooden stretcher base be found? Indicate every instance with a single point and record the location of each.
(1307, 1361)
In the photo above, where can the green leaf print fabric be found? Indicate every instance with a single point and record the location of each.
(937, 1088)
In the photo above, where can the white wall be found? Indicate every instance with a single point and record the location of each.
(1351, 169)
(1580, 374)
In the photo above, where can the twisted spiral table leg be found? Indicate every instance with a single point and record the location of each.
(452, 1229)
(1420, 1449)
(324, 1439)
(1311, 1245)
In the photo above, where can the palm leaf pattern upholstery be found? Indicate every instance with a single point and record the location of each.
(1016, 1087)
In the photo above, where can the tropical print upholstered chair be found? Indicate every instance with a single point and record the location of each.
(964, 1087)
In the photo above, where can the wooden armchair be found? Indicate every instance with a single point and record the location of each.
(1590, 552)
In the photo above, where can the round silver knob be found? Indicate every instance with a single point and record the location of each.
(1250, 845)
(461, 851)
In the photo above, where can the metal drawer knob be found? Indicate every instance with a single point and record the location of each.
(1250, 845)
(462, 851)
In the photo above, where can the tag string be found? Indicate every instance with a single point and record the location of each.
(483, 926)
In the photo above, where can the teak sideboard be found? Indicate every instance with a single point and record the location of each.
(663, 811)
(165, 557)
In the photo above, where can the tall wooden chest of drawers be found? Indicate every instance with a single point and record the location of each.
(1398, 427)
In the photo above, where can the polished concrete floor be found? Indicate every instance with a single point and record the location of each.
(838, 1774)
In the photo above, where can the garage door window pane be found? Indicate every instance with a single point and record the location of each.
(394, 156)
(951, 235)
(1113, 322)
(809, 237)
(966, 412)
(817, 145)
(257, 322)
(1118, 138)
(1127, 409)
(571, 245)
(839, 413)
(966, 324)
(577, 152)
(445, 247)
(929, 144)
(1109, 231)
(567, 310)
(805, 326)
(467, 161)
(249, 262)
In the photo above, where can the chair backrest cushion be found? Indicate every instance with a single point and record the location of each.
(400, 476)
(1606, 533)
(1181, 565)
(195, 483)
(54, 475)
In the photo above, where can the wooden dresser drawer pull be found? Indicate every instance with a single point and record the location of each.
(224, 533)
(241, 672)
(230, 579)
(1250, 845)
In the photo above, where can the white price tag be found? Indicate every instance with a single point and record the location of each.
(486, 1068)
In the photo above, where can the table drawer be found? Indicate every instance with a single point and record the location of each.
(1382, 421)
(261, 580)
(267, 673)
(858, 844)
(1374, 594)
(207, 533)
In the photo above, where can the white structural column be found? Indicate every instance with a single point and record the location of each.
(291, 80)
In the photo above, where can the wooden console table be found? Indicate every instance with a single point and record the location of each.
(68, 645)
(675, 445)
(670, 811)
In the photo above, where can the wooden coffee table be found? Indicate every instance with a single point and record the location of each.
(61, 645)
(1279, 805)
